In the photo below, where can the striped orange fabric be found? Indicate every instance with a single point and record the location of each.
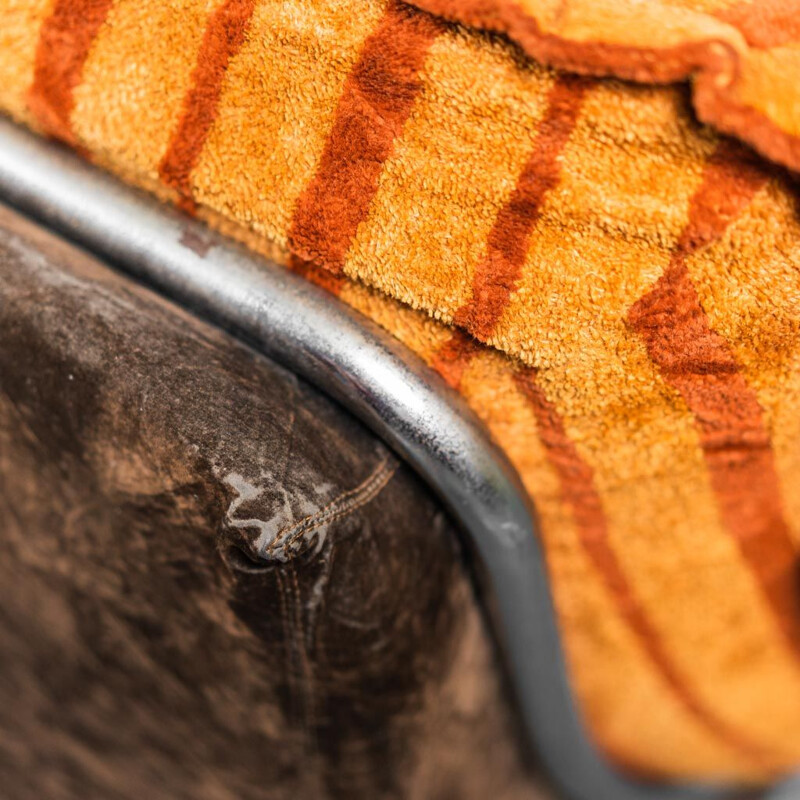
(376, 101)
(454, 357)
(64, 43)
(579, 492)
(636, 277)
(698, 362)
(667, 40)
(771, 24)
(223, 38)
(507, 243)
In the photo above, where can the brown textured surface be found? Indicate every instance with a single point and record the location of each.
(430, 205)
(145, 648)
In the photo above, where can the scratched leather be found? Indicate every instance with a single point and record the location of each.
(214, 583)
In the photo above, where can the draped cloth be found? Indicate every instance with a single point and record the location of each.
(584, 216)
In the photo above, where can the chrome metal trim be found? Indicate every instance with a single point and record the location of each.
(389, 388)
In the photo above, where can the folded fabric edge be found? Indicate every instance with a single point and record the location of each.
(706, 50)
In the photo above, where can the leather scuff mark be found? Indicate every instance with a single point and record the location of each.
(282, 537)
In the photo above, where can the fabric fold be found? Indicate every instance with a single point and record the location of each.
(742, 58)
(612, 285)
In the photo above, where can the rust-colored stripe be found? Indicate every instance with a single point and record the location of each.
(454, 356)
(507, 244)
(376, 100)
(318, 275)
(223, 38)
(64, 43)
(576, 478)
(698, 362)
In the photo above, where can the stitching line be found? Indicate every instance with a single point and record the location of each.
(345, 503)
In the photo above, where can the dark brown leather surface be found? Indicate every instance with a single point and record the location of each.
(152, 643)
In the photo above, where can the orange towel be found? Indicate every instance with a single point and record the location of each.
(613, 287)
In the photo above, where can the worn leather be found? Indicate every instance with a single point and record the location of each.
(214, 583)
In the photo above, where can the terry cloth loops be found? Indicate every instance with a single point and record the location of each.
(612, 287)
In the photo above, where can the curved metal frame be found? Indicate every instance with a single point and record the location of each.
(389, 388)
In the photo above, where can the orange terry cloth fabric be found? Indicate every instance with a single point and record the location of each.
(613, 287)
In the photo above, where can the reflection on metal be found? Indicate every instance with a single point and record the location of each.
(297, 324)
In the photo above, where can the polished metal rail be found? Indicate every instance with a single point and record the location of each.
(344, 354)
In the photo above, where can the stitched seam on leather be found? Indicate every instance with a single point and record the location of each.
(318, 520)
(344, 504)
